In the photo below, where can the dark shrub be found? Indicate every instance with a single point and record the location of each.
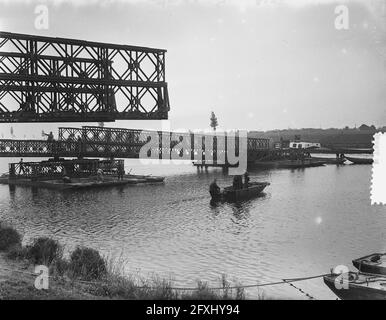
(16, 252)
(59, 267)
(44, 251)
(8, 238)
(87, 264)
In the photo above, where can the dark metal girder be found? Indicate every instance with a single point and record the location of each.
(49, 57)
(25, 88)
(46, 79)
(82, 81)
(98, 116)
(19, 36)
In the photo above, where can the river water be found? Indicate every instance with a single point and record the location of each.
(306, 222)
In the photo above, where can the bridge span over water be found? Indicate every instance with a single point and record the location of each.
(100, 142)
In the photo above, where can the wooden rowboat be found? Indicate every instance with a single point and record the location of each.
(299, 164)
(330, 160)
(358, 286)
(231, 194)
(373, 263)
(360, 160)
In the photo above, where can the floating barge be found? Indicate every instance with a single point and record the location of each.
(72, 174)
(81, 183)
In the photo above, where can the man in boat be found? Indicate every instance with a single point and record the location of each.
(246, 179)
(214, 189)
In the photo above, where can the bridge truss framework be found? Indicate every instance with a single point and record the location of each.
(44, 79)
(101, 142)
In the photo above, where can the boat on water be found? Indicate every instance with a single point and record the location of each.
(298, 164)
(230, 194)
(145, 178)
(357, 286)
(288, 164)
(330, 160)
(371, 264)
(360, 160)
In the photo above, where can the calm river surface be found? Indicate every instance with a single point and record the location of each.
(307, 222)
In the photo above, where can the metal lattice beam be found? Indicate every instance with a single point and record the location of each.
(122, 143)
(63, 80)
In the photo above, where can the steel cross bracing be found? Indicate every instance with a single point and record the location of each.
(124, 143)
(47, 79)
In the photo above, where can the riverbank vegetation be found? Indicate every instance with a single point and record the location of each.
(85, 274)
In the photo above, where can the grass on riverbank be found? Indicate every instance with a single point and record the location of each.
(87, 275)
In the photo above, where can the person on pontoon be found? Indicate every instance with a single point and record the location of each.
(246, 179)
(50, 136)
(21, 166)
(100, 175)
(237, 182)
(214, 189)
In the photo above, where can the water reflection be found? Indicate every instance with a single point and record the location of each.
(176, 228)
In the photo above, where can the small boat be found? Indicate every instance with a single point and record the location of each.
(298, 164)
(358, 286)
(330, 160)
(231, 194)
(144, 178)
(360, 160)
(288, 164)
(373, 263)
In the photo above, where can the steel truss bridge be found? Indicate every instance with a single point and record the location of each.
(102, 142)
(44, 79)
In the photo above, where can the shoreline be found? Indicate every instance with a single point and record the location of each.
(86, 275)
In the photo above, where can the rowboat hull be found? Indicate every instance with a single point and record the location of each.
(254, 189)
(330, 160)
(360, 287)
(287, 164)
(360, 160)
(299, 164)
(374, 263)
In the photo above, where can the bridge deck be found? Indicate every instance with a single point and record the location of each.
(127, 143)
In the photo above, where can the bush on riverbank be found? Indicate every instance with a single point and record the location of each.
(102, 280)
(44, 251)
(87, 264)
(9, 238)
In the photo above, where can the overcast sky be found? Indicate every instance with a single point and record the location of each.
(279, 64)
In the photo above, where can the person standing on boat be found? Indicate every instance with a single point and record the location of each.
(246, 179)
(214, 189)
